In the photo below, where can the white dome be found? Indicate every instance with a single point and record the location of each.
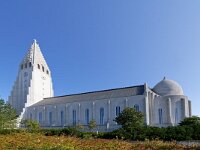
(168, 87)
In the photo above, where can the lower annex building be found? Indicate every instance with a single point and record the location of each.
(33, 97)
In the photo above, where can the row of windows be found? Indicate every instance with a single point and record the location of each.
(87, 115)
(160, 116)
(47, 71)
(26, 65)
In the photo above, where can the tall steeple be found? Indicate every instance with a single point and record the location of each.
(34, 55)
(33, 81)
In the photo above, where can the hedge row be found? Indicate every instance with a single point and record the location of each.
(178, 133)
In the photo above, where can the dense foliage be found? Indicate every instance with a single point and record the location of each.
(194, 120)
(133, 128)
(130, 119)
(7, 115)
(30, 124)
(178, 133)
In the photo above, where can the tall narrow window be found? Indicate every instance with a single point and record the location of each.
(74, 117)
(47, 71)
(30, 64)
(22, 66)
(43, 68)
(87, 119)
(101, 116)
(50, 118)
(136, 107)
(40, 118)
(117, 110)
(176, 116)
(31, 116)
(62, 118)
(38, 66)
(160, 116)
(25, 65)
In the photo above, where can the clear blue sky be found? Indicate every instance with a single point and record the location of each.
(101, 44)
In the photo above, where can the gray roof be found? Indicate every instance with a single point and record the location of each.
(96, 95)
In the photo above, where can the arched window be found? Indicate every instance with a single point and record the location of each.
(101, 116)
(47, 71)
(43, 68)
(160, 113)
(117, 110)
(40, 118)
(62, 118)
(136, 107)
(22, 66)
(38, 66)
(50, 118)
(87, 117)
(30, 64)
(74, 117)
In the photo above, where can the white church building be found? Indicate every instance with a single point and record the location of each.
(33, 98)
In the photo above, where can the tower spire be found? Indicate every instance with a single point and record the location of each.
(33, 81)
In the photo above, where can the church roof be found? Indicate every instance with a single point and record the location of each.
(95, 95)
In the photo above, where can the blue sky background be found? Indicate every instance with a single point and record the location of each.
(93, 45)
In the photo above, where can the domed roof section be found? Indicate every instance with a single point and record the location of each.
(168, 87)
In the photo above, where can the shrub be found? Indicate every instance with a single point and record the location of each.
(31, 124)
(10, 131)
(194, 120)
(92, 124)
(65, 131)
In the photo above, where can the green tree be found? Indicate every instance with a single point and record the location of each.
(194, 120)
(31, 124)
(130, 119)
(92, 124)
(7, 115)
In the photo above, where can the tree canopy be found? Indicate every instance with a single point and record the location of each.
(7, 115)
(194, 120)
(129, 118)
(31, 124)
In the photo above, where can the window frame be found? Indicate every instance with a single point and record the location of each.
(101, 116)
(160, 116)
(117, 111)
(74, 117)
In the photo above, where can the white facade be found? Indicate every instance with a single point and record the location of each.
(164, 105)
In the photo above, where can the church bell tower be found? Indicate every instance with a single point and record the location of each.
(33, 83)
